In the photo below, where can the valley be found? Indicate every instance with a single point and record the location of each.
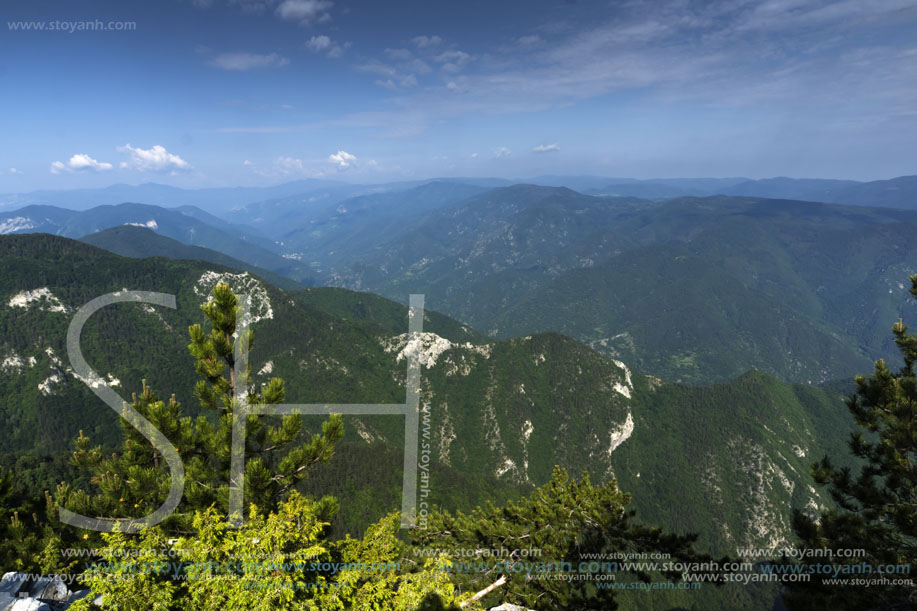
(678, 346)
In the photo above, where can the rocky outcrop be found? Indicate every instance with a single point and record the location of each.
(21, 592)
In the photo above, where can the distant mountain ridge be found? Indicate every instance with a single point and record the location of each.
(161, 195)
(189, 226)
(140, 242)
(327, 234)
(898, 192)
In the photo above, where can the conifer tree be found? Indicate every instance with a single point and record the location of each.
(134, 481)
(22, 526)
(520, 548)
(876, 509)
(281, 559)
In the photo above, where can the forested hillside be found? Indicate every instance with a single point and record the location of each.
(692, 289)
(500, 410)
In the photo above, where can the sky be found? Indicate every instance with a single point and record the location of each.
(202, 93)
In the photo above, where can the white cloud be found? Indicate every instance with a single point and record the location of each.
(422, 42)
(546, 148)
(453, 61)
(704, 54)
(288, 165)
(342, 159)
(305, 11)
(502, 152)
(376, 67)
(457, 86)
(395, 78)
(323, 44)
(156, 159)
(248, 61)
(85, 162)
(319, 43)
(474, 155)
(78, 163)
(399, 54)
(418, 65)
(338, 50)
(14, 171)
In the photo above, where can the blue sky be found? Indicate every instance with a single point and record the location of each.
(248, 92)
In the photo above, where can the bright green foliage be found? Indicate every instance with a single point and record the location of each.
(268, 564)
(877, 509)
(559, 523)
(263, 566)
(276, 562)
(128, 577)
(376, 577)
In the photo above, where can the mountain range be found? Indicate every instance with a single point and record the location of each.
(187, 224)
(897, 192)
(501, 412)
(692, 289)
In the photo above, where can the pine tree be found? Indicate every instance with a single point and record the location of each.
(267, 480)
(134, 481)
(22, 526)
(279, 560)
(877, 509)
(520, 547)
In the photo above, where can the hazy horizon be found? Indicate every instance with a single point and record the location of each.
(246, 92)
(515, 180)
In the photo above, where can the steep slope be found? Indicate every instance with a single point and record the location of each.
(745, 446)
(483, 388)
(387, 314)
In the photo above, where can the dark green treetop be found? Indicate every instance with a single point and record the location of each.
(876, 510)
